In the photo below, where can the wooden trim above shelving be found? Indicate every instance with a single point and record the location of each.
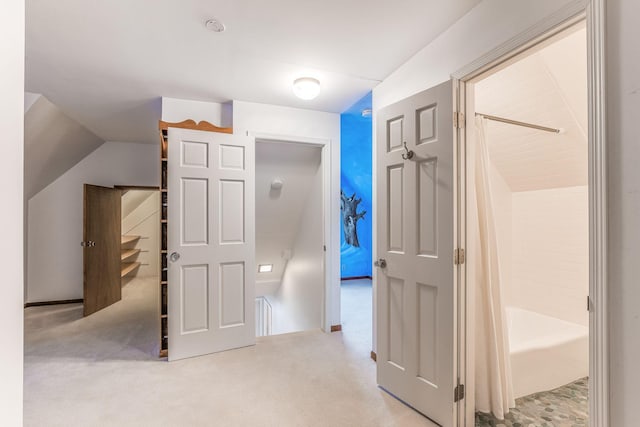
(191, 124)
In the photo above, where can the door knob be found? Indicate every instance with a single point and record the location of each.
(382, 263)
(174, 256)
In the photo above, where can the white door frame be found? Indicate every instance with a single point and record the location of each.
(331, 298)
(593, 12)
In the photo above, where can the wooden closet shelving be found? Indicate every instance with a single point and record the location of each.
(163, 127)
(127, 252)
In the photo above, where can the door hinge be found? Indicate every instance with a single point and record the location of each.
(458, 256)
(588, 303)
(458, 393)
(458, 120)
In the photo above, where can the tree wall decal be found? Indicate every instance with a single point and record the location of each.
(348, 208)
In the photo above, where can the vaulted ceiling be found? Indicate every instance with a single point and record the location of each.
(548, 88)
(106, 63)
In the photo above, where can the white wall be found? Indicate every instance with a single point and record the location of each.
(485, 27)
(297, 304)
(143, 221)
(55, 215)
(623, 186)
(551, 252)
(53, 143)
(11, 175)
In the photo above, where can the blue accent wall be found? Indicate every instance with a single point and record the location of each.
(355, 166)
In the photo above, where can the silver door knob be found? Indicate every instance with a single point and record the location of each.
(382, 263)
(174, 256)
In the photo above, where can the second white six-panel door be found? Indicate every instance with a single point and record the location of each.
(415, 290)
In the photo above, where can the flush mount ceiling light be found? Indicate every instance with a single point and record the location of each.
(265, 268)
(306, 88)
(215, 26)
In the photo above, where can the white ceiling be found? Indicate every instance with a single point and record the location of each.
(548, 88)
(106, 63)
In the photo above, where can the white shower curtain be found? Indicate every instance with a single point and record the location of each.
(493, 387)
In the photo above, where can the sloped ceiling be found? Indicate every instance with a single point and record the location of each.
(53, 143)
(279, 212)
(548, 88)
(106, 63)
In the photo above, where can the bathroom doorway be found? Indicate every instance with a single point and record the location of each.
(528, 236)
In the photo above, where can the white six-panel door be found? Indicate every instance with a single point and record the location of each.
(415, 290)
(211, 242)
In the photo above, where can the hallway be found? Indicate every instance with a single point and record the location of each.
(101, 370)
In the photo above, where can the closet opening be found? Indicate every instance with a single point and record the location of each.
(290, 237)
(527, 204)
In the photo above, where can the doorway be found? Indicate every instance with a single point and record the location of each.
(290, 265)
(528, 210)
(356, 296)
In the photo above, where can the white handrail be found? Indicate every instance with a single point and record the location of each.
(264, 313)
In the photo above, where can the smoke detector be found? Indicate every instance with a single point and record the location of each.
(215, 26)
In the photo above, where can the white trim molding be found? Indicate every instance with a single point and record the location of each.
(598, 316)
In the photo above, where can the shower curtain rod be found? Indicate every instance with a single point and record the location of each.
(517, 123)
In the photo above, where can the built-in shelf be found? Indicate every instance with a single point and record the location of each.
(128, 239)
(128, 267)
(128, 253)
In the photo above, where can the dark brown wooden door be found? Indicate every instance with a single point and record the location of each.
(101, 253)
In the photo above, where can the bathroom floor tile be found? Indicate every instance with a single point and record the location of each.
(563, 407)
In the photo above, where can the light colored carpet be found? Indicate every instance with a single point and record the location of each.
(102, 371)
(356, 314)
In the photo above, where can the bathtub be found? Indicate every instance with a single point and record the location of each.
(546, 352)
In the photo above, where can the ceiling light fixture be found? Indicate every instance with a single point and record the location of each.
(215, 26)
(306, 88)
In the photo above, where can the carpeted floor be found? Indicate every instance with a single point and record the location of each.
(102, 371)
(566, 406)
